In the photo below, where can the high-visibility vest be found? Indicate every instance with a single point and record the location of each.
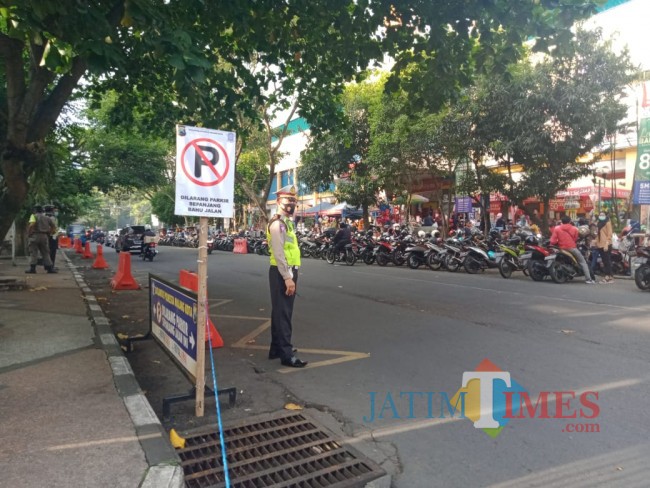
(291, 249)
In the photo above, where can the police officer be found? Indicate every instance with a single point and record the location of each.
(40, 228)
(51, 212)
(283, 276)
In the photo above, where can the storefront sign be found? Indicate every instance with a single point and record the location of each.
(642, 192)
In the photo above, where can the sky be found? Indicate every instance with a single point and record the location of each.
(629, 23)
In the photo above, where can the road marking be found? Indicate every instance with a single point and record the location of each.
(102, 442)
(244, 343)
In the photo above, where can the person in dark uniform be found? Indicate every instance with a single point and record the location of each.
(50, 211)
(283, 277)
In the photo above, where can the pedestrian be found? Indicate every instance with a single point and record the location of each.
(500, 224)
(523, 220)
(52, 212)
(40, 228)
(565, 236)
(283, 277)
(603, 244)
(428, 220)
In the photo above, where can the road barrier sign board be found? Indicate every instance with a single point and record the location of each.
(173, 313)
(205, 172)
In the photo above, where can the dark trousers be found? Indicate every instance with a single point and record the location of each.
(607, 260)
(281, 312)
(54, 245)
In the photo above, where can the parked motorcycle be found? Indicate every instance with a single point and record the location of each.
(416, 254)
(383, 251)
(563, 266)
(642, 273)
(537, 264)
(455, 255)
(515, 257)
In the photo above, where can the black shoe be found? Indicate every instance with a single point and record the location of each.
(30, 271)
(274, 355)
(294, 362)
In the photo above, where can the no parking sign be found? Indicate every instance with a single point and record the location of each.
(205, 172)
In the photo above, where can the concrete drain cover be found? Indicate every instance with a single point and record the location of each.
(287, 450)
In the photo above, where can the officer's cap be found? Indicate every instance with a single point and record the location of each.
(286, 191)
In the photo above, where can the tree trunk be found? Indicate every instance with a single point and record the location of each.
(545, 227)
(366, 216)
(13, 191)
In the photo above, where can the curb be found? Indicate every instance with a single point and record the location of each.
(164, 469)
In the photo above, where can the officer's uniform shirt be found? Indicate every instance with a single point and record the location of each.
(278, 231)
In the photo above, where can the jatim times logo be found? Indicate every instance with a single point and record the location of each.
(491, 398)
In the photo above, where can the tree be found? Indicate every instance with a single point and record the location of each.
(563, 108)
(197, 57)
(193, 56)
(342, 154)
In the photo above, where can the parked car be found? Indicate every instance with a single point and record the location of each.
(130, 239)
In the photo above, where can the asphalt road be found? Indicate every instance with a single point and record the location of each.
(419, 331)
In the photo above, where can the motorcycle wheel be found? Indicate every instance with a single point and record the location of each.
(382, 259)
(506, 268)
(150, 258)
(536, 270)
(398, 258)
(434, 262)
(350, 257)
(331, 256)
(412, 261)
(472, 265)
(451, 264)
(559, 272)
(642, 277)
(368, 258)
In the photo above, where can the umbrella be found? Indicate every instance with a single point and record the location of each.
(415, 198)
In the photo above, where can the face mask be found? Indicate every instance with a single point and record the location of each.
(289, 208)
(602, 217)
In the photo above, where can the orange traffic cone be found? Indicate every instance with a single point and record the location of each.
(87, 254)
(100, 262)
(77, 246)
(123, 280)
(190, 280)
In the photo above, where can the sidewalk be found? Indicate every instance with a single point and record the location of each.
(71, 411)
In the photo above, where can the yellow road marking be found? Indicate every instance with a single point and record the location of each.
(245, 343)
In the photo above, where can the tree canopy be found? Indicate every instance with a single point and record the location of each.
(204, 63)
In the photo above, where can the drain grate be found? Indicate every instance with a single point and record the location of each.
(285, 450)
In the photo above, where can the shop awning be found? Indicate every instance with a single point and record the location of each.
(321, 208)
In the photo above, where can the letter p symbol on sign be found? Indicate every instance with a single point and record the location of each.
(200, 155)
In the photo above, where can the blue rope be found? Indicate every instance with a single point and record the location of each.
(216, 398)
